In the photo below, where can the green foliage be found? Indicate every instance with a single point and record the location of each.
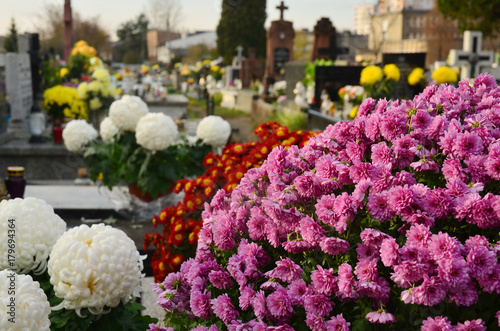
(10, 43)
(242, 23)
(480, 15)
(310, 71)
(153, 173)
(291, 118)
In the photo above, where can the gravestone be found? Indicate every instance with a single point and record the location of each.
(280, 38)
(406, 62)
(3, 101)
(325, 45)
(331, 79)
(251, 69)
(233, 72)
(19, 91)
(471, 58)
(294, 72)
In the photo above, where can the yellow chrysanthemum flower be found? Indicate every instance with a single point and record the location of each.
(63, 72)
(370, 75)
(214, 68)
(82, 90)
(391, 71)
(444, 75)
(95, 103)
(416, 76)
(95, 86)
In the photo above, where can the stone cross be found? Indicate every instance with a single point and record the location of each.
(281, 8)
(471, 58)
(240, 51)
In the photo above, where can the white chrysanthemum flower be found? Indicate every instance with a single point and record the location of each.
(77, 134)
(156, 131)
(34, 229)
(108, 129)
(31, 308)
(95, 268)
(126, 112)
(214, 131)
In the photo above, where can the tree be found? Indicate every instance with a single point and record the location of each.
(132, 43)
(164, 14)
(441, 33)
(10, 43)
(479, 15)
(242, 24)
(50, 25)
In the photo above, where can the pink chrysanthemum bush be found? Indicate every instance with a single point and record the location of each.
(389, 221)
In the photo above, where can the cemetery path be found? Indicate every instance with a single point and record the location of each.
(245, 125)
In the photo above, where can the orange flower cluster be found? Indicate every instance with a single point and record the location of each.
(181, 223)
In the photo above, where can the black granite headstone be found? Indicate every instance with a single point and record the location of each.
(331, 79)
(281, 56)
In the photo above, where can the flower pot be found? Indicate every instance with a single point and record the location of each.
(137, 192)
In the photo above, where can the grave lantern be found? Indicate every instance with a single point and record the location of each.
(36, 122)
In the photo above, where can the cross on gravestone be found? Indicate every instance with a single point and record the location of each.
(281, 8)
(239, 49)
(471, 58)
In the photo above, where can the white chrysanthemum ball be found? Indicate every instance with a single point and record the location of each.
(31, 310)
(108, 129)
(214, 131)
(95, 268)
(77, 134)
(31, 228)
(156, 131)
(126, 112)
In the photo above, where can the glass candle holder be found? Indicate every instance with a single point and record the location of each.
(15, 182)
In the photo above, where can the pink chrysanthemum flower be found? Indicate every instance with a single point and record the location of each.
(279, 304)
(323, 281)
(378, 206)
(430, 292)
(296, 291)
(286, 270)
(467, 143)
(474, 325)
(380, 317)
(200, 304)
(334, 246)
(481, 262)
(389, 252)
(366, 270)
(438, 323)
(316, 322)
(223, 308)
(338, 323)
(318, 304)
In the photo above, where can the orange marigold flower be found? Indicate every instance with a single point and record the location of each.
(193, 237)
(188, 188)
(177, 259)
(177, 238)
(209, 191)
(209, 160)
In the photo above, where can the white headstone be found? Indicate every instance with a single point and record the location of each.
(471, 58)
(19, 91)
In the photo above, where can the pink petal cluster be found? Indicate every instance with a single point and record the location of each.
(399, 207)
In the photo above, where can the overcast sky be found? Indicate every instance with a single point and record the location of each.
(196, 14)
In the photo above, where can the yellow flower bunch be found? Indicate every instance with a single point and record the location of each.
(83, 48)
(63, 72)
(416, 76)
(370, 75)
(214, 68)
(185, 71)
(102, 76)
(206, 62)
(392, 72)
(222, 71)
(444, 75)
(155, 67)
(62, 101)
